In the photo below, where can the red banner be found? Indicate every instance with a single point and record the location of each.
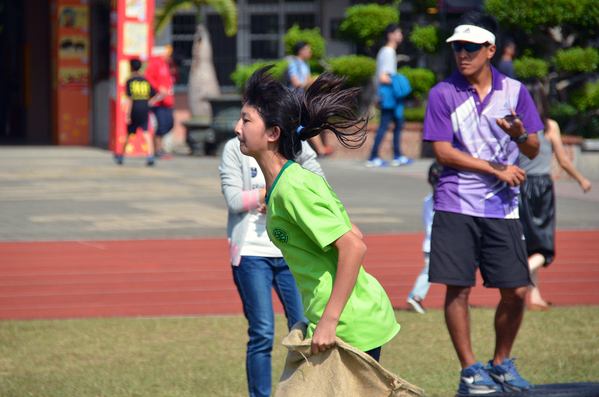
(70, 72)
(131, 37)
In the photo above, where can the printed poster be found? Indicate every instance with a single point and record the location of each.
(136, 9)
(136, 39)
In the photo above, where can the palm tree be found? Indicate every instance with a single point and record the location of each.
(202, 75)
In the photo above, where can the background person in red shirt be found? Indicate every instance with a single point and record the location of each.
(158, 73)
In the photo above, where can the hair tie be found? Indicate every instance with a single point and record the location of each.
(301, 127)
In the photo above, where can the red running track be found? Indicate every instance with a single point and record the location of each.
(59, 280)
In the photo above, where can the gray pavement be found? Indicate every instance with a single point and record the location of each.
(78, 193)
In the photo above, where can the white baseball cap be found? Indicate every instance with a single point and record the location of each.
(472, 34)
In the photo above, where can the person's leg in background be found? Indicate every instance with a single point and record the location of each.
(118, 158)
(421, 287)
(165, 121)
(398, 158)
(254, 279)
(286, 289)
(535, 262)
(375, 161)
(150, 144)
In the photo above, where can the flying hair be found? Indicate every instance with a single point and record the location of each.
(325, 105)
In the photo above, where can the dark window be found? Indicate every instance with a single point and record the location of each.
(264, 24)
(183, 48)
(265, 49)
(184, 24)
(263, 1)
(305, 21)
(224, 50)
(334, 28)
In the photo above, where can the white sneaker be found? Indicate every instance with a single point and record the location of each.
(401, 160)
(416, 306)
(376, 162)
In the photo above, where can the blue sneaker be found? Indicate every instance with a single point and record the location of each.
(506, 375)
(476, 380)
(401, 160)
(118, 159)
(376, 162)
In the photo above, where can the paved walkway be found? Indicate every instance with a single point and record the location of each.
(82, 237)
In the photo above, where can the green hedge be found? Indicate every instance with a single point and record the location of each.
(530, 14)
(424, 37)
(366, 23)
(530, 67)
(421, 80)
(577, 59)
(243, 72)
(310, 36)
(586, 98)
(357, 68)
(414, 114)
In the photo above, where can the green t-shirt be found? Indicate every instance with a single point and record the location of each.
(304, 217)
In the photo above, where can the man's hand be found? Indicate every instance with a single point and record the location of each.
(262, 209)
(515, 129)
(511, 174)
(128, 120)
(324, 335)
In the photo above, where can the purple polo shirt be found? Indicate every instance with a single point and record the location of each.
(456, 114)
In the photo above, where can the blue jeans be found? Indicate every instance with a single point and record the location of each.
(386, 116)
(422, 285)
(255, 277)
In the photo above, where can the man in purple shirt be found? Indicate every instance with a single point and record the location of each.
(478, 121)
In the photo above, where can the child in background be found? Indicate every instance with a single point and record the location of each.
(422, 285)
(140, 95)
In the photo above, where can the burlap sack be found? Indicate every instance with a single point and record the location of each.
(341, 370)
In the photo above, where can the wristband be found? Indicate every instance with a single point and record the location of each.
(521, 139)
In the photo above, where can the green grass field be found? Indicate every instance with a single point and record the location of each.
(206, 356)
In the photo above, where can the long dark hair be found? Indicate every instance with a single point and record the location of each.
(323, 106)
(537, 91)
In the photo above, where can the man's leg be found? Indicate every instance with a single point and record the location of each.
(508, 318)
(457, 318)
(149, 143)
(386, 116)
(399, 122)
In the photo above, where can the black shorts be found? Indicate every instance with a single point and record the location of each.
(537, 215)
(135, 124)
(460, 244)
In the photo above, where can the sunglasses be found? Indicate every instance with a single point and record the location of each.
(469, 47)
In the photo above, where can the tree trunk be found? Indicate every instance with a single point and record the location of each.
(202, 75)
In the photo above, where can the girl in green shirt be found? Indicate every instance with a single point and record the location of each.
(305, 219)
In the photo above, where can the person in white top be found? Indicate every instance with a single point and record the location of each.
(386, 67)
(422, 285)
(258, 266)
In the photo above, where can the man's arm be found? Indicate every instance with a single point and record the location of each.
(451, 157)
(530, 148)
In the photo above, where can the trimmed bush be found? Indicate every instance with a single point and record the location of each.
(562, 112)
(586, 98)
(424, 37)
(357, 68)
(365, 23)
(310, 36)
(529, 14)
(421, 80)
(414, 114)
(577, 59)
(243, 72)
(526, 67)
